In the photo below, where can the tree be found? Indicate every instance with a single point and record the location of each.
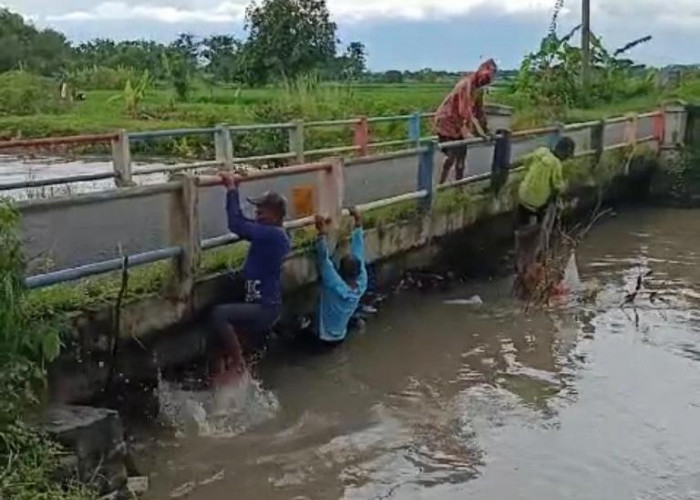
(186, 45)
(287, 38)
(356, 60)
(139, 55)
(22, 46)
(222, 55)
(392, 76)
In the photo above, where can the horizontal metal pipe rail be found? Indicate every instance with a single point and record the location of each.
(231, 238)
(107, 266)
(260, 126)
(273, 156)
(55, 181)
(58, 141)
(175, 168)
(386, 119)
(374, 205)
(336, 149)
(394, 155)
(331, 123)
(214, 180)
(160, 134)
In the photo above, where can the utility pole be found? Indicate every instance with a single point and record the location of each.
(586, 43)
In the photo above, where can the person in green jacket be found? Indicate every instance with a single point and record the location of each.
(543, 181)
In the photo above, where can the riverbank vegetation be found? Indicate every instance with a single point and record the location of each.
(29, 461)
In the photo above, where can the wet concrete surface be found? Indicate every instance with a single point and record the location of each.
(586, 400)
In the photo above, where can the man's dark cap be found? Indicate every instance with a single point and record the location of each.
(271, 200)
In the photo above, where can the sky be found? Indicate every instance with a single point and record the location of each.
(399, 34)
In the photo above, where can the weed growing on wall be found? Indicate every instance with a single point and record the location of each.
(28, 460)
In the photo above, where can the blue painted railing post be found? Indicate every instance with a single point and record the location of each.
(223, 146)
(414, 129)
(426, 166)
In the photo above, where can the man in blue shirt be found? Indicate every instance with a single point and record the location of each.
(341, 289)
(269, 244)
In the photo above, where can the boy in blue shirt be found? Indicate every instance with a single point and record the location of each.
(269, 244)
(341, 289)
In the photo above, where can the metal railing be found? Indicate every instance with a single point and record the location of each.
(185, 247)
(224, 137)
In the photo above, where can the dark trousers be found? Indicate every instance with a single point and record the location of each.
(250, 320)
(524, 215)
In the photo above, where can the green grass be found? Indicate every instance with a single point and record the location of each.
(210, 106)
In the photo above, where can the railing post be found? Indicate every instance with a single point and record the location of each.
(184, 232)
(631, 129)
(414, 129)
(659, 127)
(361, 139)
(121, 159)
(556, 135)
(598, 141)
(330, 193)
(223, 146)
(426, 167)
(296, 140)
(675, 117)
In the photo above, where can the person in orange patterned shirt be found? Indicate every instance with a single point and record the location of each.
(462, 115)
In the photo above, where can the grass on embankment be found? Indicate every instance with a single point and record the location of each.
(100, 113)
(211, 106)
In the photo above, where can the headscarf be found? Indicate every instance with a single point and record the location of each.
(484, 75)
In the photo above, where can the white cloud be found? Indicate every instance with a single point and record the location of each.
(343, 10)
(224, 12)
(360, 10)
(678, 13)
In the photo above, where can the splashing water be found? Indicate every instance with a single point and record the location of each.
(225, 411)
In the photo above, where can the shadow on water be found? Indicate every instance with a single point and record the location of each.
(587, 400)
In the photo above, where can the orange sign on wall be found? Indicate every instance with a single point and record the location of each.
(303, 201)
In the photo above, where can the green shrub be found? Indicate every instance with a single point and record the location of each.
(26, 346)
(23, 94)
(101, 78)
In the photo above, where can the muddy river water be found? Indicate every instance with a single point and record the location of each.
(586, 400)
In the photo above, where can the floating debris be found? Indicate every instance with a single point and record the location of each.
(137, 485)
(183, 490)
(219, 476)
(472, 301)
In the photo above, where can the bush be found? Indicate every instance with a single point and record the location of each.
(101, 78)
(23, 94)
(26, 345)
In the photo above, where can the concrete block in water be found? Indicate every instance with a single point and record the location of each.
(95, 439)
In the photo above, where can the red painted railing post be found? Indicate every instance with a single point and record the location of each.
(361, 140)
(659, 127)
(330, 195)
